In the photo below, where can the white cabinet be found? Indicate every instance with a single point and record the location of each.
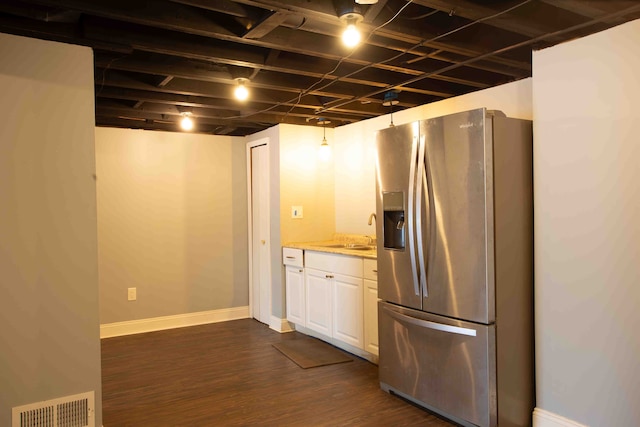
(347, 310)
(334, 296)
(295, 299)
(370, 299)
(318, 300)
(294, 282)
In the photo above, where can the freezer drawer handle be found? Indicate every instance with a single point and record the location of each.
(431, 325)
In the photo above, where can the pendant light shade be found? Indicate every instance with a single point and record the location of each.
(324, 152)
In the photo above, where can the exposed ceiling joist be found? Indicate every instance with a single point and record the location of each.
(156, 59)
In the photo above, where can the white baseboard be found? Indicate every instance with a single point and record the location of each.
(542, 418)
(280, 325)
(131, 327)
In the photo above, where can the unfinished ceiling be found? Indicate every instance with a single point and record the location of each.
(155, 60)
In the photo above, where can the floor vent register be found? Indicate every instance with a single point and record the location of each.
(68, 411)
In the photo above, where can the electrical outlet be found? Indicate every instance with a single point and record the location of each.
(296, 212)
(131, 294)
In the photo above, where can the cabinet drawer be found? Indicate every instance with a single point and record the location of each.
(370, 269)
(340, 264)
(292, 257)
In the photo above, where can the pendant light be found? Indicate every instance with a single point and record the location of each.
(324, 152)
(390, 99)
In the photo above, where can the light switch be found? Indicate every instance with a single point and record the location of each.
(296, 212)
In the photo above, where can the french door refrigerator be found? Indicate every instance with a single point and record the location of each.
(455, 266)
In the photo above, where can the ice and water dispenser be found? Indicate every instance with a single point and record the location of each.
(393, 223)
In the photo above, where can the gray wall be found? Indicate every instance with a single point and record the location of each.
(172, 222)
(49, 330)
(587, 228)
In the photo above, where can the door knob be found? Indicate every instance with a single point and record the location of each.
(263, 242)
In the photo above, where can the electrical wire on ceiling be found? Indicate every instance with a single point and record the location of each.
(424, 15)
(324, 76)
(593, 21)
(425, 41)
(296, 100)
(344, 58)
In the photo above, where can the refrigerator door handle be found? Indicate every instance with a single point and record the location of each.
(428, 324)
(411, 213)
(421, 179)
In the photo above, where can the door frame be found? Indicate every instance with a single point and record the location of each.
(249, 147)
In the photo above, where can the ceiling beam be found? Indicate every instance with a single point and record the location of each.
(265, 26)
(193, 91)
(288, 82)
(177, 17)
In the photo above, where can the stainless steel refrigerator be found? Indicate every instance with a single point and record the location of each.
(455, 266)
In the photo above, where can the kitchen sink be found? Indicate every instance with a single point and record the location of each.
(358, 247)
(352, 246)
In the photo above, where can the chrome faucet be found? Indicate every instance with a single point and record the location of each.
(372, 217)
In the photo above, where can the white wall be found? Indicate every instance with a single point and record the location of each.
(297, 177)
(587, 229)
(307, 181)
(355, 147)
(172, 222)
(49, 330)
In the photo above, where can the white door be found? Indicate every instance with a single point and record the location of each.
(260, 254)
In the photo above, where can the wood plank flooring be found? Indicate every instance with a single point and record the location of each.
(229, 374)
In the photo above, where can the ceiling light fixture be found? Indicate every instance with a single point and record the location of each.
(351, 35)
(390, 99)
(186, 123)
(241, 92)
(324, 152)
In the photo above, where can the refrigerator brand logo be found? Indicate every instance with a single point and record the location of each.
(466, 125)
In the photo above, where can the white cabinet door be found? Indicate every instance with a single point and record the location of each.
(318, 299)
(348, 310)
(294, 279)
(371, 316)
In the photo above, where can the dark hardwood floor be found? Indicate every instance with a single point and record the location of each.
(229, 374)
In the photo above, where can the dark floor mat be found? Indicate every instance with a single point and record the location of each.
(311, 352)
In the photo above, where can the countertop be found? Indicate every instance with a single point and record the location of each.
(337, 247)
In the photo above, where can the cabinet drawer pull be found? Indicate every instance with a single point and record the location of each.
(328, 276)
(375, 271)
(300, 271)
(290, 257)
